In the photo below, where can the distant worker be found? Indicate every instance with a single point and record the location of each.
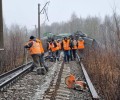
(52, 47)
(81, 47)
(74, 47)
(49, 50)
(66, 49)
(36, 50)
(58, 48)
(71, 46)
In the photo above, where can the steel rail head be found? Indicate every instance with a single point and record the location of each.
(93, 92)
(5, 81)
(11, 71)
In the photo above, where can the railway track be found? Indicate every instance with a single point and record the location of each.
(59, 91)
(8, 78)
(52, 85)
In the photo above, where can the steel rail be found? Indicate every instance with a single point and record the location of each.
(8, 77)
(89, 83)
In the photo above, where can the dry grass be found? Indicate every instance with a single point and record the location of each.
(104, 70)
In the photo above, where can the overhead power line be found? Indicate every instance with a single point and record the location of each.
(41, 11)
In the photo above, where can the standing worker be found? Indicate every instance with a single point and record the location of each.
(71, 46)
(36, 50)
(81, 47)
(66, 49)
(74, 48)
(58, 48)
(52, 47)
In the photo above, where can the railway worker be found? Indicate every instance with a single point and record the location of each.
(58, 48)
(81, 46)
(49, 47)
(71, 46)
(49, 50)
(74, 47)
(52, 47)
(66, 49)
(42, 61)
(36, 50)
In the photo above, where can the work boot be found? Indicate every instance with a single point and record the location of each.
(32, 67)
(41, 71)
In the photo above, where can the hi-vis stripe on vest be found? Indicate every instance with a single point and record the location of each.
(35, 49)
(81, 44)
(66, 45)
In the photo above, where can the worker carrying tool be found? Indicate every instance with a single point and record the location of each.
(36, 50)
(72, 83)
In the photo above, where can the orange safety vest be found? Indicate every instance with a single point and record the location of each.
(58, 45)
(35, 49)
(41, 46)
(75, 44)
(81, 44)
(66, 45)
(51, 47)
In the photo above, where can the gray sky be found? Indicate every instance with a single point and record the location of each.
(24, 12)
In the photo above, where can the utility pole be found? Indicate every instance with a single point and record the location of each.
(39, 12)
(39, 21)
(1, 26)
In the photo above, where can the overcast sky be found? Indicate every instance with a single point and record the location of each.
(24, 12)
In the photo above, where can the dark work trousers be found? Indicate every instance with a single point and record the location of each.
(36, 60)
(42, 62)
(66, 55)
(53, 56)
(57, 54)
(74, 53)
(71, 55)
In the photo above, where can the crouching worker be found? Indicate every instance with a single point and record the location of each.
(36, 50)
(72, 83)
